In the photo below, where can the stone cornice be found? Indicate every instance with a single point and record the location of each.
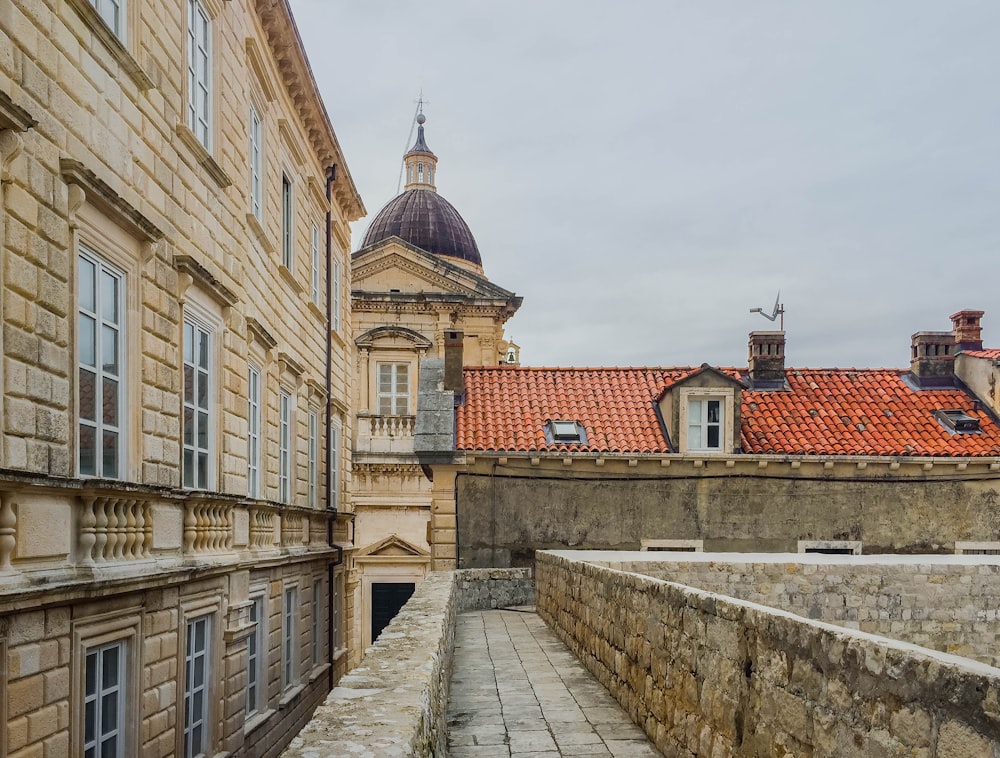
(185, 264)
(13, 116)
(101, 195)
(297, 76)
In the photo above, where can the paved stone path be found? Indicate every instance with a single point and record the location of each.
(517, 690)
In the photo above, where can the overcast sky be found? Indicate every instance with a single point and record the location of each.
(644, 173)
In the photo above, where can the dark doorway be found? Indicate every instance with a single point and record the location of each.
(387, 599)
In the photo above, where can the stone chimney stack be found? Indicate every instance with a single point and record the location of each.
(454, 378)
(932, 358)
(967, 330)
(767, 359)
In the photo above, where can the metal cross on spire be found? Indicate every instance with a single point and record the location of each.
(418, 118)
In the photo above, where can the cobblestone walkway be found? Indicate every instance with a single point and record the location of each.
(517, 690)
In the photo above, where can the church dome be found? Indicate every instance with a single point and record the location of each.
(420, 216)
(426, 220)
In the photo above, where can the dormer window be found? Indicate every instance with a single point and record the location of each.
(562, 432)
(957, 421)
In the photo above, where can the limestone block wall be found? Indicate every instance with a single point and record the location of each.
(43, 654)
(948, 603)
(479, 589)
(712, 676)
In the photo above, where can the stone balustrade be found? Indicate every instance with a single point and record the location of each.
(710, 675)
(62, 530)
(114, 529)
(385, 434)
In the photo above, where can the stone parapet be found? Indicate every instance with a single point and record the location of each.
(482, 589)
(714, 676)
(395, 703)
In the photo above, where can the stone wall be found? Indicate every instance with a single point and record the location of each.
(504, 516)
(948, 603)
(714, 676)
(480, 589)
(395, 703)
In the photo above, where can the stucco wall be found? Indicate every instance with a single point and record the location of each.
(503, 519)
(713, 676)
(948, 603)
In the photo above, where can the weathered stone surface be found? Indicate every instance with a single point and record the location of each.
(779, 684)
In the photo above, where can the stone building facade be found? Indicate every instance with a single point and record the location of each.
(418, 293)
(176, 379)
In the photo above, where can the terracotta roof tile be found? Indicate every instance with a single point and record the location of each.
(826, 412)
(990, 353)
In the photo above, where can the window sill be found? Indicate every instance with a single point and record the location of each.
(258, 230)
(290, 279)
(339, 653)
(203, 156)
(317, 672)
(290, 695)
(260, 717)
(89, 15)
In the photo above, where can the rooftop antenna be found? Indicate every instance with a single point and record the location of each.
(778, 310)
(418, 118)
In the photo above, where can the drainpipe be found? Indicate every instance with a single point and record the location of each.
(331, 177)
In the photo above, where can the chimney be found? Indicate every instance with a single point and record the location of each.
(967, 330)
(932, 359)
(454, 379)
(767, 360)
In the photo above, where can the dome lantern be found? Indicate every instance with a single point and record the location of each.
(420, 162)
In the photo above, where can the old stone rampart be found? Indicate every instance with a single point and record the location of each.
(482, 589)
(395, 702)
(945, 602)
(709, 675)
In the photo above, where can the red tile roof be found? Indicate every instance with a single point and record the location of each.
(990, 353)
(826, 412)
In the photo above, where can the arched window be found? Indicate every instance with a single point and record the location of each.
(420, 172)
(409, 174)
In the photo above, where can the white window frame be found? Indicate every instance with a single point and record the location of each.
(336, 434)
(699, 412)
(195, 327)
(256, 164)
(112, 13)
(93, 703)
(815, 546)
(287, 222)
(313, 458)
(256, 701)
(194, 657)
(254, 395)
(89, 634)
(316, 617)
(397, 394)
(101, 268)
(726, 421)
(199, 72)
(336, 612)
(977, 548)
(336, 306)
(289, 624)
(672, 546)
(315, 260)
(285, 413)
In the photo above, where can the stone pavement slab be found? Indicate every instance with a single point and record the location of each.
(518, 691)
